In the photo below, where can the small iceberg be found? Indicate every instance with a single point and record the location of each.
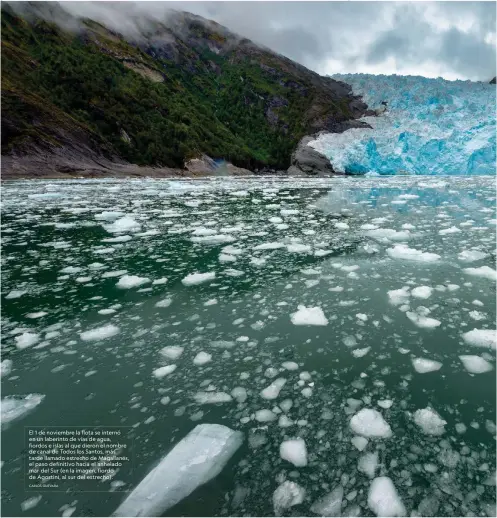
(195, 460)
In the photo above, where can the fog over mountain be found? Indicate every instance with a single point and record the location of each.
(454, 40)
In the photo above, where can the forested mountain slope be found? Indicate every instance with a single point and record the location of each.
(168, 93)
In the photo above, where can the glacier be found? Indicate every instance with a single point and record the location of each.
(430, 127)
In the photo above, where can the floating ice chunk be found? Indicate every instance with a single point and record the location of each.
(422, 321)
(287, 495)
(15, 294)
(202, 358)
(38, 314)
(99, 333)
(213, 240)
(290, 366)
(29, 503)
(269, 246)
(429, 421)
(359, 353)
(385, 403)
(164, 303)
(108, 215)
(227, 258)
(26, 340)
(210, 398)
(330, 504)
(368, 463)
(298, 248)
(469, 256)
(16, 407)
(350, 341)
(265, 416)
(172, 352)
(294, 451)
(398, 297)
(475, 364)
(289, 212)
(309, 317)
(481, 338)
(198, 278)
(359, 442)
(162, 280)
(131, 281)
(423, 365)
(273, 390)
(284, 421)
(195, 460)
(122, 225)
(161, 372)
(118, 239)
(383, 498)
(5, 367)
(341, 225)
(483, 271)
(370, 423)
(389, 234)
(240, 394)
(422, 292)
(115, 273)
(451, 230)
(362, 316)
(411, 254)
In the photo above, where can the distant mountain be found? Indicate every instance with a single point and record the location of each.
(73, 89)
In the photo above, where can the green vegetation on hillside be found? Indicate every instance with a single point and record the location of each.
(101, 85)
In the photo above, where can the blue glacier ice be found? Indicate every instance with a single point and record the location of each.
(431, 127)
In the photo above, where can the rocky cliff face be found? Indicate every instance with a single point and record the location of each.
(171, 92)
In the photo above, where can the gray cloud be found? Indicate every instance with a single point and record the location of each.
(448, 39)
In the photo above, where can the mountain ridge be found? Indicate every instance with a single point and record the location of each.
(160, 98)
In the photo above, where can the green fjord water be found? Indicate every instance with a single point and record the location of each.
(397, 270)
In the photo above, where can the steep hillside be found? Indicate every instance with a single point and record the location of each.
(171, 92)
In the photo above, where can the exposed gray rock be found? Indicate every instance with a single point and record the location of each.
(306, 160)
(492, 82)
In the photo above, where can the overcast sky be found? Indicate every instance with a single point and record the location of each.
(455, 40)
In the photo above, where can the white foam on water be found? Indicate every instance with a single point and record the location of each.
(198, 278)
(312, 316)
(423, 365)
(370, 423)
(99, 333)
(475, 364)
